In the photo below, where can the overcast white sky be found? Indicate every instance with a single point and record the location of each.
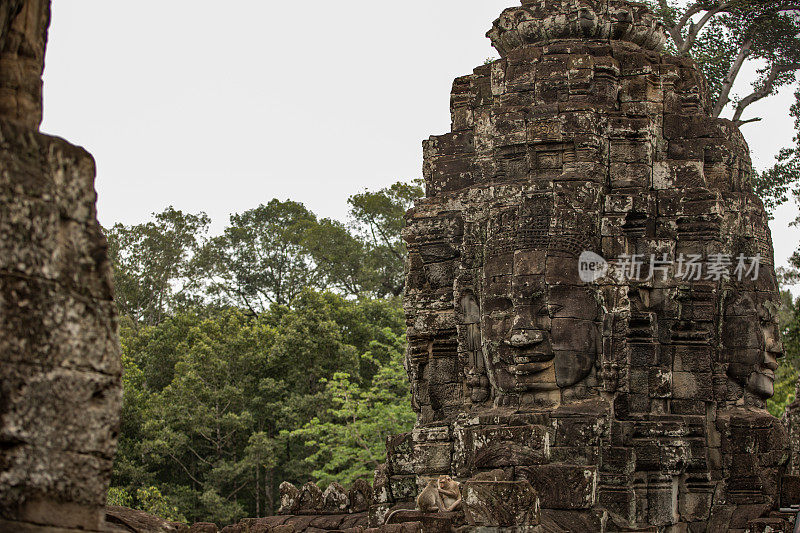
(219, 106)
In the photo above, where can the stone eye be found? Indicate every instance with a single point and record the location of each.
(498, 305)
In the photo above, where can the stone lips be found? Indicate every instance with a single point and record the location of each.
(538, 21)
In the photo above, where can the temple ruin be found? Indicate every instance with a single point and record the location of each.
(630, 400)
(591, 303)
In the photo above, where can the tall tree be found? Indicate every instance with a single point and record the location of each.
(154, 268)
(202, 430)
(724, 35)
(367, 256)
(260, 259)
(339, 257)
(379, 219)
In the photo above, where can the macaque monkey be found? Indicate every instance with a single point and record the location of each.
(449, 493)
(429, 500)
(441, 494)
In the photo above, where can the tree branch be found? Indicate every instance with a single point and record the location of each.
(694, 29)
(690, 12)
(748, 121)
(186, 470)
(373, 226)
(199, 457)
(769, 85)
(673, 30)
(730, 78)
(240, 487)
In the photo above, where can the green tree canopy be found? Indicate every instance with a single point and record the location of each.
(260, 258)
(154, 268)
(348, 441)
(231, 344)
(211, 401)
(379, 219)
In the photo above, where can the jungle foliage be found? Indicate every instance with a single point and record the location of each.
(271, 352)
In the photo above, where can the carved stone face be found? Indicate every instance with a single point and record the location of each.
(538, 323)
(751, 342)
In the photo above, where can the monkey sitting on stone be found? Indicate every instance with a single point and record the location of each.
(429, 500)
(443, 494)
(450, 493)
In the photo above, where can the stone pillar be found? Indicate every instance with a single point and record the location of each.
(59, 353)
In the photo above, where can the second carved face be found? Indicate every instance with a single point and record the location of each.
(751, 344)
(537, 338)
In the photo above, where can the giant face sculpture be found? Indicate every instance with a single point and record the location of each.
(751, 342)
(539, 333)
(582, 137)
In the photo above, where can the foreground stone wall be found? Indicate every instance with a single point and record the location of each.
(631, 399)
(60, 382)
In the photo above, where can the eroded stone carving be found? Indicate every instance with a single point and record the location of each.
(538, 22)
(311, 500)
(60, 385)
(501, 504)
(23, 38)
(636, 398)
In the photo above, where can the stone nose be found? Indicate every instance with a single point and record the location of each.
(774, 346)
(770, 362)
(521, 339)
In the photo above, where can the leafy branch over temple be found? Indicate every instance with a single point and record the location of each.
(723, 37)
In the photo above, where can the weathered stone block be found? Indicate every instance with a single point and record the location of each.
(496, 447)
(769, 525)
(203, 527)
(79, 422)
(400, 454)
(403, 488)
(562, 486)
(620, 502)
(501, 503)
(309, 499)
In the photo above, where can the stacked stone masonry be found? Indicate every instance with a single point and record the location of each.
(627, 404)
(60, 383)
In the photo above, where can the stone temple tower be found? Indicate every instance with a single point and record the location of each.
(591, 293)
